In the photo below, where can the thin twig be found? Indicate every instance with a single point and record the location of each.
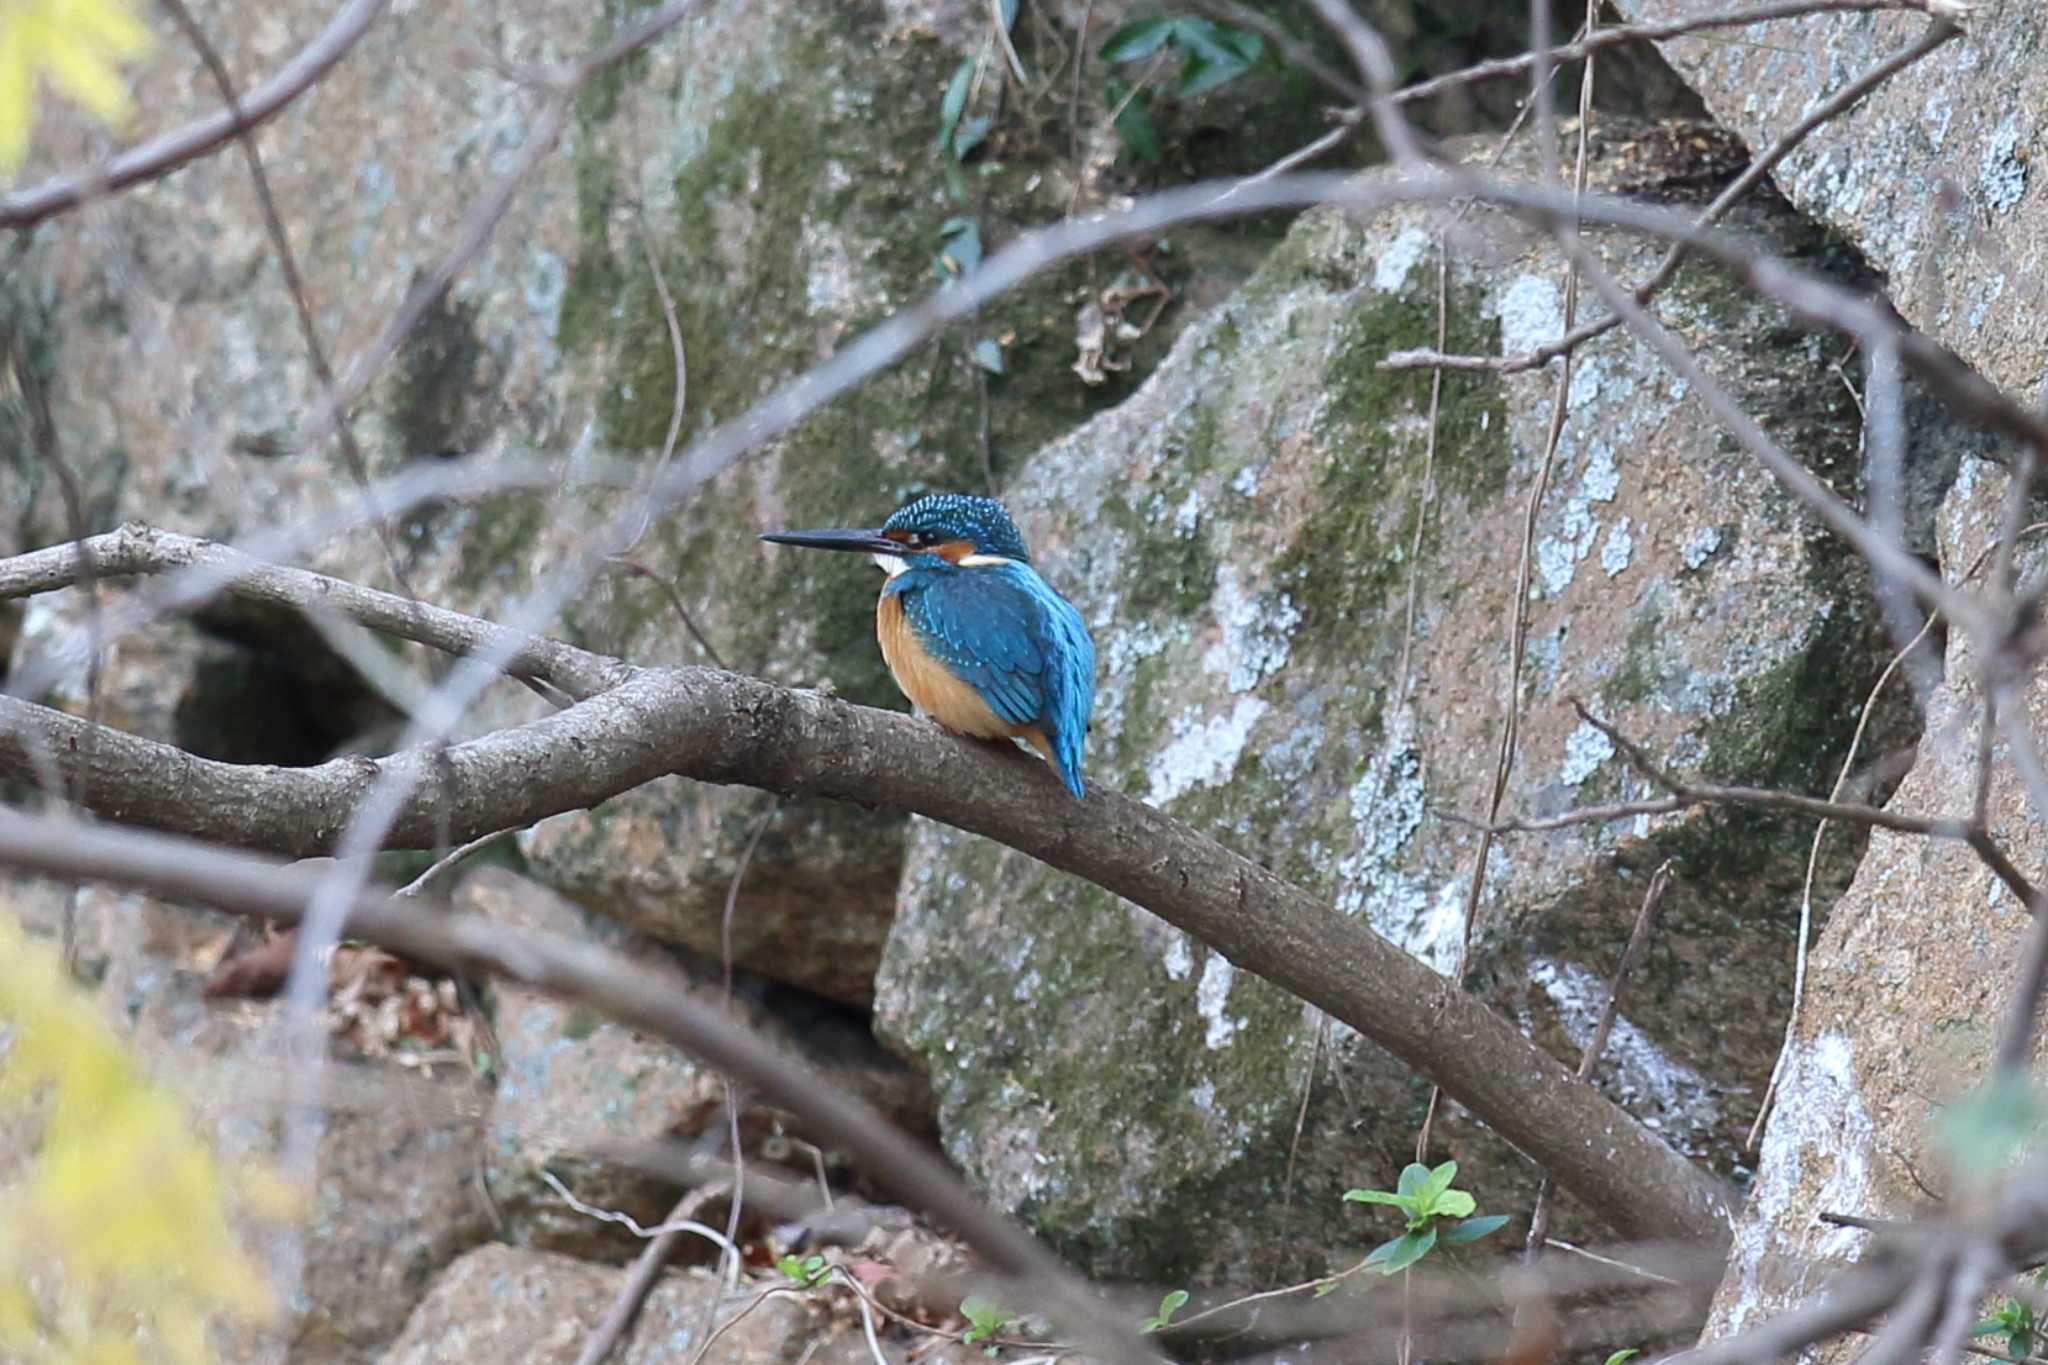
(1426, 495)
(675, 601)
(632, 1224)
(679, 403)
(1804, 950)
(145, 550)
(425, 882)
(1518, 618)
(1376, 63)
(1685, 794)
(647, 1268)
(294, 283)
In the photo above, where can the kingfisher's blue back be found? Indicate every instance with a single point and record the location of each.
(971, 633)
(1003, 631)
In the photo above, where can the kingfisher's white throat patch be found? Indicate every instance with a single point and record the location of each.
(982, 561)
(890, 564)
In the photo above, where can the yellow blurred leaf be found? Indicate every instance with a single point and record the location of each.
(117, 1231)
(76, 45)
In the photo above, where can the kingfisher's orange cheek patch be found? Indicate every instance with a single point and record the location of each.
(953, 551)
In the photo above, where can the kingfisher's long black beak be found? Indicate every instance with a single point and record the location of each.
(839, 538)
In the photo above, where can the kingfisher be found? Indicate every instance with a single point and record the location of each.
(972, 635)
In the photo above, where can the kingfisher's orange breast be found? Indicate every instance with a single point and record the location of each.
(933, 689)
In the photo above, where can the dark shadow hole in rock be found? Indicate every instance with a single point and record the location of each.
(269, 688)
(1632, 79)
(839, 1040)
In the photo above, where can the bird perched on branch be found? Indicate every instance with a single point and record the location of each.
(974, 637)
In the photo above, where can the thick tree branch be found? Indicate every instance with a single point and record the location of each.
(163, 154)
(719, 727)
(140, 549)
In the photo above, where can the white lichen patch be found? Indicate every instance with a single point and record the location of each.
(547, 281)
(1619, 549)
(2001, 172)
(833, 286)
(1531, 313)
(1202, 752)
(1820, 1118)
(1257, 631)
(1390, 272)
(1545, 654)
(1386, 810)
(1602, 479)
(1664, 1093)
(1558, 556)
(1212, 994)
(1935, 115)
(1699, 546)
(1122, 650)
(1178, 962)
(1585, 749)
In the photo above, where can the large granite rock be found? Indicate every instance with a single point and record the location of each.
(568, 1080)
(573, 1087)
(1907, 990)
(1237, 535)
(1935, 179)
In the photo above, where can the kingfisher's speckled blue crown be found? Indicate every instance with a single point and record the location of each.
(941, 517)
(971, 633)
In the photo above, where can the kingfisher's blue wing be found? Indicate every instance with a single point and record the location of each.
(1001, 630)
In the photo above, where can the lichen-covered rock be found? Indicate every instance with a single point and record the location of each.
(1906, 992)
(1238, 536)
(1935, 176)
(1935, 179)
(506, 1303)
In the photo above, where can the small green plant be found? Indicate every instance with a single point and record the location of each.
(1426, 1198)
(1211, 54)
(2016, 1322)
(959, 135)
(1168, 1306)
(1628, 1353)
(984, 1320)
(959, 249)
(806, 1272)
